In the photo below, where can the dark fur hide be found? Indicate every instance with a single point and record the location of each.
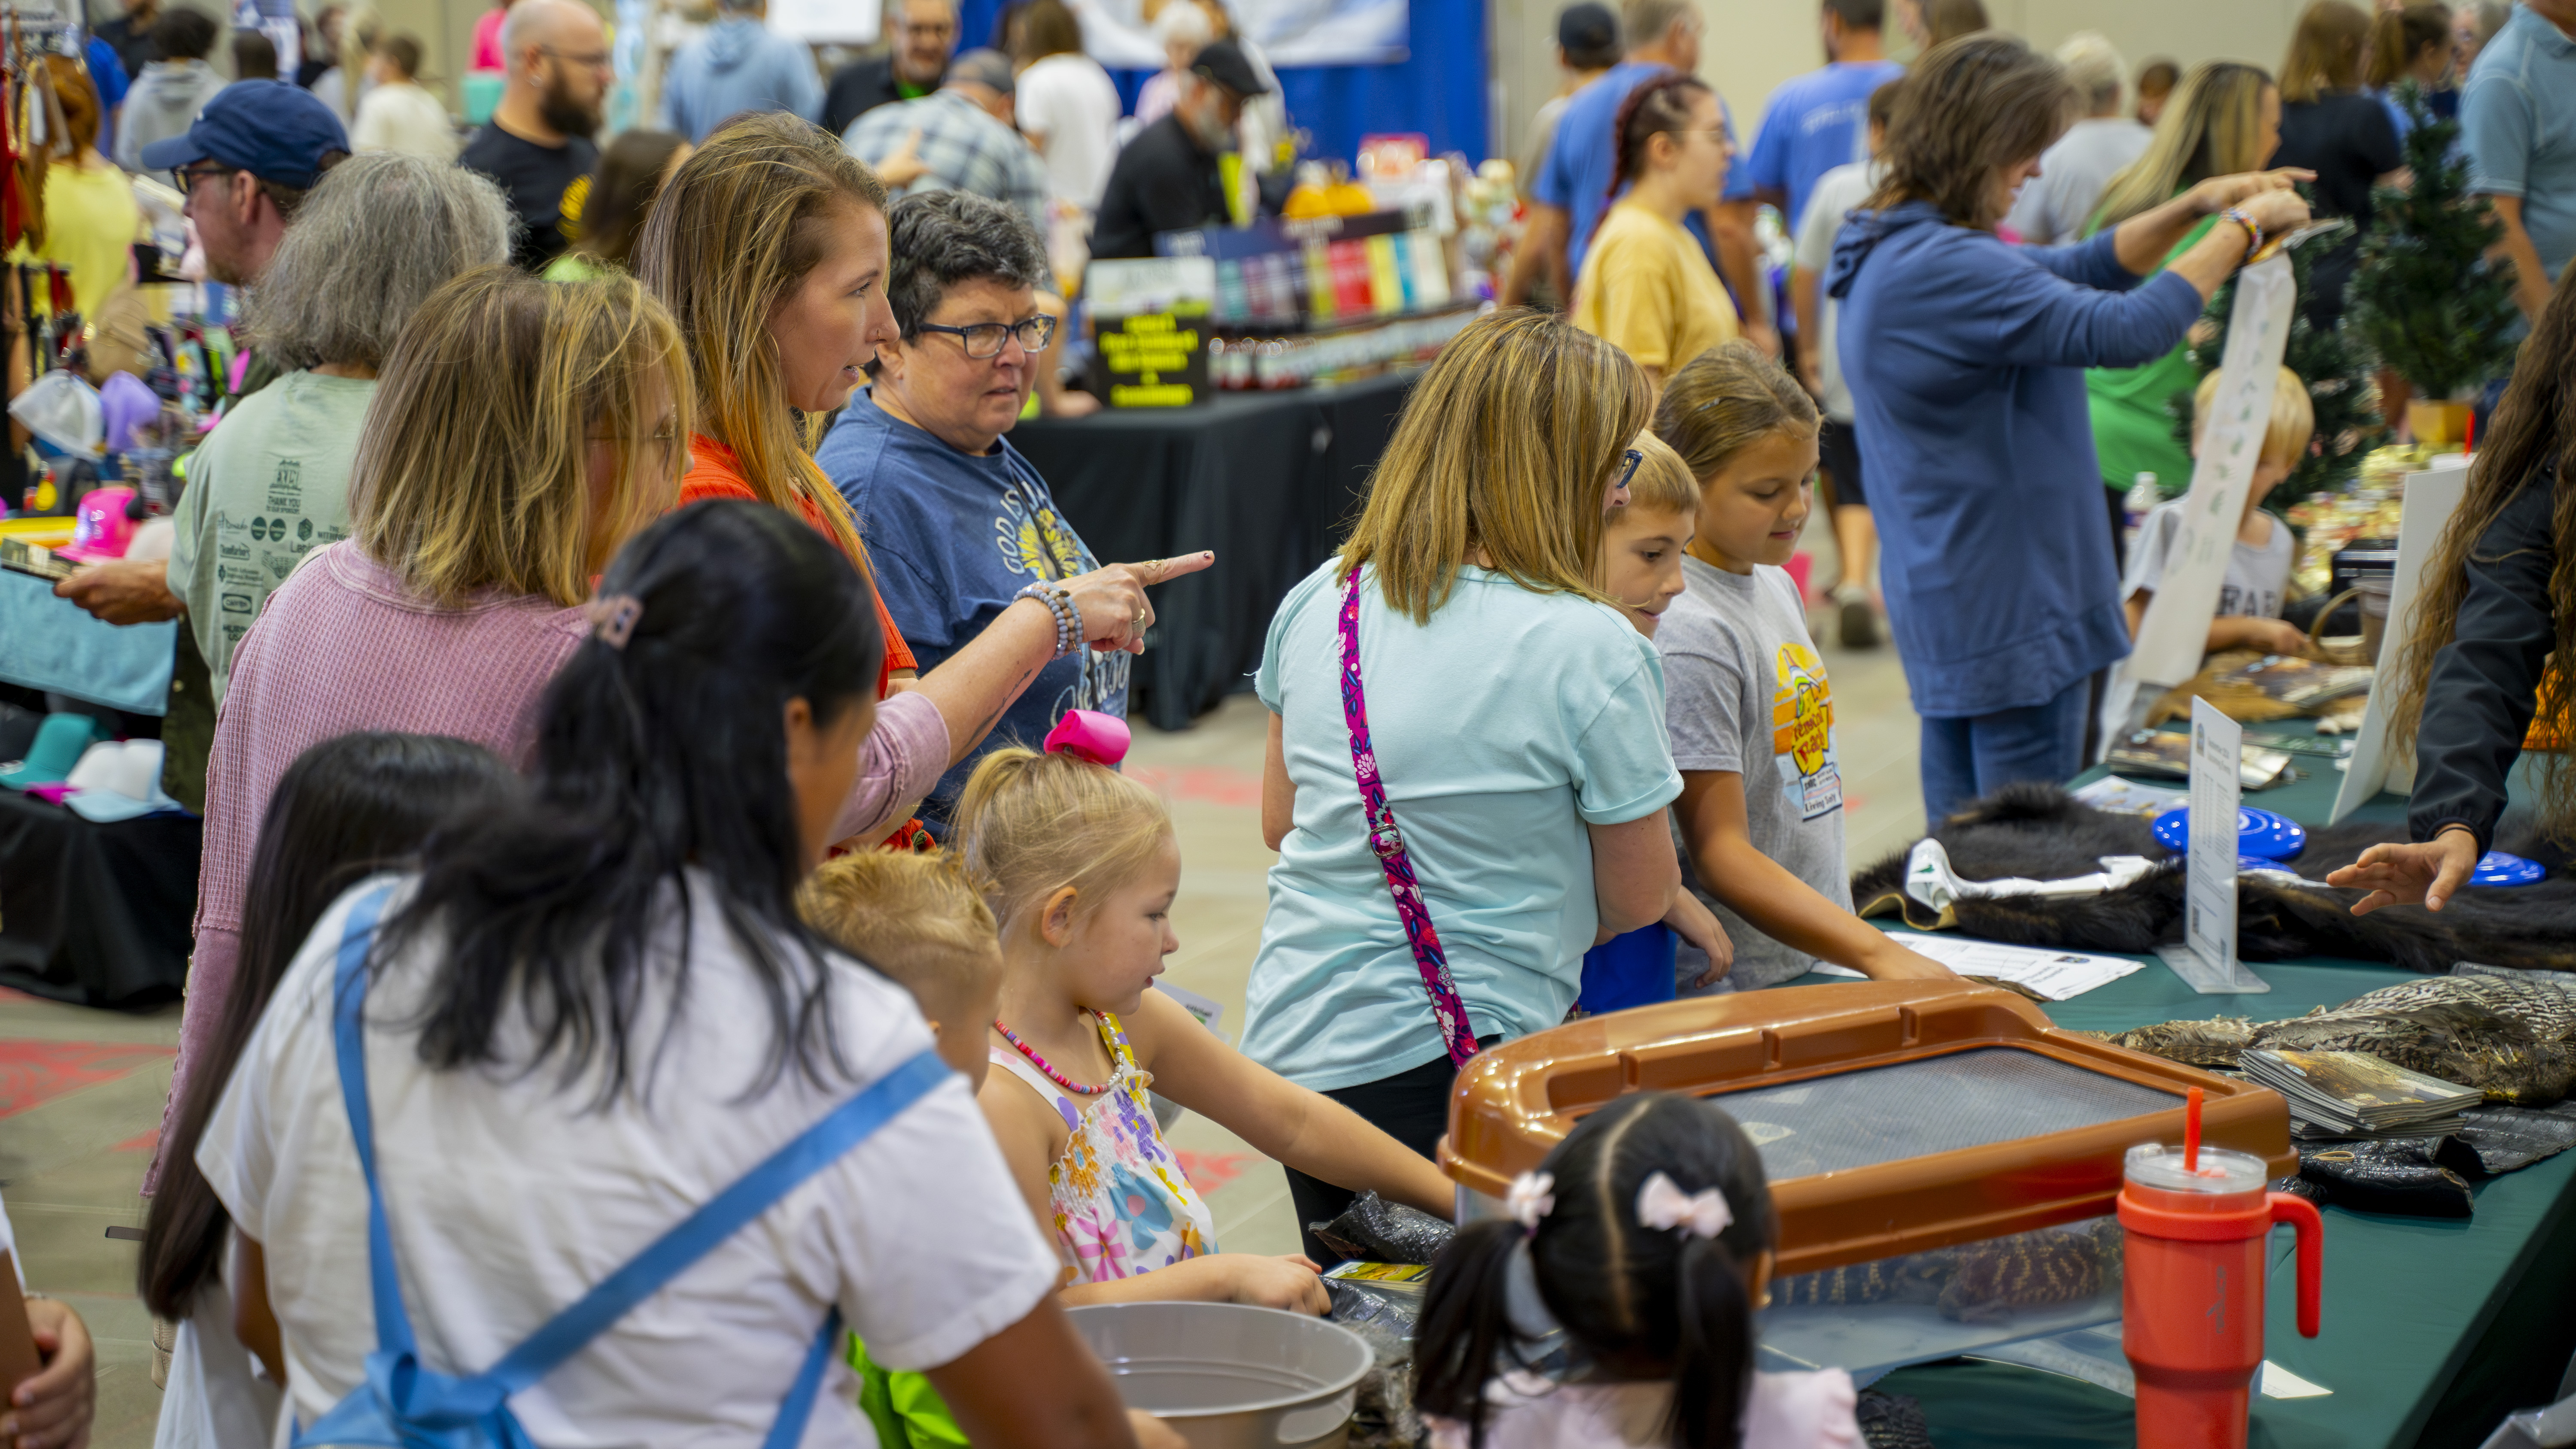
(2043, 833)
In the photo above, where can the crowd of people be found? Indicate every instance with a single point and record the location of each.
(674, 757)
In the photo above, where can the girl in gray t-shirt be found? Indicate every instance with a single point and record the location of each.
(1746, 697)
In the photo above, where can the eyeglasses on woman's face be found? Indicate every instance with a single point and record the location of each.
(983, 340)
(1617, 497)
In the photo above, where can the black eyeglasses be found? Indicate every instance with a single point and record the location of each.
(186, 177)
(983, 340)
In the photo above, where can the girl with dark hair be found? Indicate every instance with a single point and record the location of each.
(2412, 44)
(1966, 361)
(1646, 283)
(346, 808)
(619, 195)
(2331, 126)
(596, 1010)
(2500, 602)
(1649, 1234)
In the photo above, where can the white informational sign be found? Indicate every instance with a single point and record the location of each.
(2432, 496)
(2056, 975)
(1287, 32)
(827, 22)
(2207, 957)
(2175, 632)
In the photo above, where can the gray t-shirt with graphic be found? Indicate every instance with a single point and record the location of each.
(267, 487)
(2257, 578)
(1744, 691)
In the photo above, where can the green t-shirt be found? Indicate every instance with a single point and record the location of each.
(268, 486)
(572, 266)
(2133, 432)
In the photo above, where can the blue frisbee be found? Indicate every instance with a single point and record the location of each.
(2257, 862)
(2495, 868)
(2258, 832)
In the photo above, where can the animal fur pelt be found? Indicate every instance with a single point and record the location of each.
(2043, 833)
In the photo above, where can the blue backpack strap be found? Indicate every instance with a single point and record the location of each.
(348, 999)
(728, 1212)
(788, 1429)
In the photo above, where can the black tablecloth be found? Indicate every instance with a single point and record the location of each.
(95, 914)
(1271, 481)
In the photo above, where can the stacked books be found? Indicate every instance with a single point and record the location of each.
(2355, 1094)
(2306, 684)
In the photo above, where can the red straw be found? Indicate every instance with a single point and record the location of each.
(2191, 1131)
(2469, 443)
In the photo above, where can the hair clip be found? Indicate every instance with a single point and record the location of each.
(612, 618)
(1532, 1196)
(1090, 735)
(1663, 1205)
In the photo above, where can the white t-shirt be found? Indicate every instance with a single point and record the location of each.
(1828, 202)
(1070, 100)
(511, 1194)
(403, 117)
(2257, 577)
(2054, 209)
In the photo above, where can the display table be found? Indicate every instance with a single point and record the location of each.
(94, 913)
(2434, 1329)
(1271, 481)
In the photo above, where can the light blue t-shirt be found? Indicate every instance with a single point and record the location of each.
(2518, 120)
(1814, 123)
(1502, 728)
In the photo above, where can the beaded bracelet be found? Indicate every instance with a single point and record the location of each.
(1068, 624)
(2253, 232)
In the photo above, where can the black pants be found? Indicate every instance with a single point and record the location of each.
(1412, 1107)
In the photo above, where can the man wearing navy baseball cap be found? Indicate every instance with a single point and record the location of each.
(244, 165)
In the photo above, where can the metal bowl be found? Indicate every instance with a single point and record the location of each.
(1227, 1376)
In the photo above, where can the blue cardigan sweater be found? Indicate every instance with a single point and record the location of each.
(1966, 360)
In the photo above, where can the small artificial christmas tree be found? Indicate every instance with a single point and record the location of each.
(2425, 298)
(2336, 368)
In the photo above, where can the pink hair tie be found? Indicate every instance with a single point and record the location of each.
(1088, 734)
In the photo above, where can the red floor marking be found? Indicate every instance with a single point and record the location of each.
(147, 1142)
(33, 1073)
(12, 996)
(1206, 784)
(1208, 1171)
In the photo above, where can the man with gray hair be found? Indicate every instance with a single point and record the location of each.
(922, 35)
(2056, 204)
(958, 138)
(957, 522)
(738, 66)
(537, 143)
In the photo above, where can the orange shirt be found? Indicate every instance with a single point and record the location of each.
(714, 473)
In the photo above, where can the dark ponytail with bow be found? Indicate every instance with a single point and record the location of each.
(1640, 1300)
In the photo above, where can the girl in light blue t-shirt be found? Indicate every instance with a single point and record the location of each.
(1516, 723)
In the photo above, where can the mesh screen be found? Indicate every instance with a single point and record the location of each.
(1918, 1108)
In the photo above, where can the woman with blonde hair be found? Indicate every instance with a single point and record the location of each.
(769, 245)
(519, 432)
(1459, 659)
(2223, 120)
(2331, 126)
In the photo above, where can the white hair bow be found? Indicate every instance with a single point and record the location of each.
(1532, 1196)
(1702, 1214)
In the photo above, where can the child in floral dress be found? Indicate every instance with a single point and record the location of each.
(1080, 866)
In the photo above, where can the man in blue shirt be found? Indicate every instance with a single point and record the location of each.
(1573, 188)
(1820, 120)
(2518, 119)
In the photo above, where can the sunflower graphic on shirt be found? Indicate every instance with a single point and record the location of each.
(1802, 733)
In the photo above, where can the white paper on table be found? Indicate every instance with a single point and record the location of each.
(2056, 975)
(2128, 797)
(2280, 1383)
(1207, 1009)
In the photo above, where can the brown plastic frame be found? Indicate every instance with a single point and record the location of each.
(1516, 1101)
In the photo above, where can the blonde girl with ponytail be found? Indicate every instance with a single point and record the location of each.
(1080, 866)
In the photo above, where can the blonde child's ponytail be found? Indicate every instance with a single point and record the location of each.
(1030, 824)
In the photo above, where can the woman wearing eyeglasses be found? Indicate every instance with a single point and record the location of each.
(968, 542)
(770, 247)
(1647, 286)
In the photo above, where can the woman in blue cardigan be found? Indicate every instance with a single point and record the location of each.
(1966, 359)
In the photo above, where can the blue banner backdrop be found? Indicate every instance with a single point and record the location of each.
(1438, 90)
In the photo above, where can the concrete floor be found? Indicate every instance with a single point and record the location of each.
(81, 1093)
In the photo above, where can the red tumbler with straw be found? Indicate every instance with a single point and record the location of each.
(2191, 1297)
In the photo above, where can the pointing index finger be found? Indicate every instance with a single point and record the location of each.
(1164, 569)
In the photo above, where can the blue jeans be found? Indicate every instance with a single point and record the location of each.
(1978, 755)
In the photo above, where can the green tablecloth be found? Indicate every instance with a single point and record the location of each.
(2434, 1330)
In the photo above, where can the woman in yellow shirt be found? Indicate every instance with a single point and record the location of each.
(1647, 286)
(91, 218)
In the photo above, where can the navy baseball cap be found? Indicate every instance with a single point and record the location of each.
(274, 131)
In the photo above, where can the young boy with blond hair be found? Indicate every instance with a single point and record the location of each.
(917, 919)
(2258, 567)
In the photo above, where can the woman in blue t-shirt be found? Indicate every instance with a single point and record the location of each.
(1510, 714)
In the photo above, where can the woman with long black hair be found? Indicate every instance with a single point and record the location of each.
(588, 1016)
(2501, 597)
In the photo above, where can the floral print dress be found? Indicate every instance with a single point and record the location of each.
(1122, 1204)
